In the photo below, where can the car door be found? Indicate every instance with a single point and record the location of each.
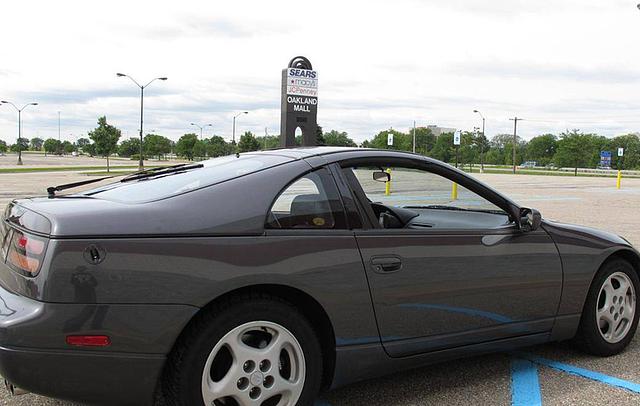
(457, 276)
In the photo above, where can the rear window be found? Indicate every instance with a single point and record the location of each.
(214, 171)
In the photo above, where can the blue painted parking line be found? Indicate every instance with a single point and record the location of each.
(585, 373)
(321, 402)
(525, 388)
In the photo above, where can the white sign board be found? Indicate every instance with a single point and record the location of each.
(302, 82)
(620, 151)
(390, 139)
(456, 138)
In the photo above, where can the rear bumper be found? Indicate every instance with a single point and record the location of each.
(34, 355)
(94, 378)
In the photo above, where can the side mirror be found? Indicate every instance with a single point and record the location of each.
(381, 176)
(530, 219)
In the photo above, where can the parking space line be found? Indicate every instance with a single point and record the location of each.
(585, 373)
(321, 402)
(525, 387)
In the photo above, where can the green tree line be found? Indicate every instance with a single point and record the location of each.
(571, 148)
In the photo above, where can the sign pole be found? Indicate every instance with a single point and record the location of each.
(456, 142)
(620, 163)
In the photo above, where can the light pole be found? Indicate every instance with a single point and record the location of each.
(141, 164)
(19, 125)
(515, 139)
(233, 136)
(201, 127)
(414, 136)
(481, 143)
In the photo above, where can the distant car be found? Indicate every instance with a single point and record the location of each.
(266, 277)
(529, 164)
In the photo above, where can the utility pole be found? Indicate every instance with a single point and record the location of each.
(266, 134)
(414, 136)
(58, 126)
(515, 139)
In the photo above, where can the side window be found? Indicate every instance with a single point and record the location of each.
(311, 202)
(434, 202)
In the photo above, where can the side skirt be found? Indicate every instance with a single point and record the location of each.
(360, 362)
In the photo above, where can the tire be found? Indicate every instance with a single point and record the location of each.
(261, 320)
(610, 315)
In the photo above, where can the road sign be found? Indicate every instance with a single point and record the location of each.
(620, 151)
(605, 159)
(390, 139)
(456, 138)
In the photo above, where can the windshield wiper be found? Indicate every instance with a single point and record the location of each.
(51, 191)
(161, 171)
(437, 207)
(453, 208)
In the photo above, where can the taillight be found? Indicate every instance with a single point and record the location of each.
(26, 253)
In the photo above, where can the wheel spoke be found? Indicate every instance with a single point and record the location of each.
(217, 390)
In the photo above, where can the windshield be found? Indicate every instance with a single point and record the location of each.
(162, 186)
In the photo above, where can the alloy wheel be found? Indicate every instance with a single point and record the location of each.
(259, 363)
(616, 307)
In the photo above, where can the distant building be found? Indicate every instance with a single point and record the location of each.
(435, 130)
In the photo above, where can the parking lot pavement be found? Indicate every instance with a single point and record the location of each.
(555, 374)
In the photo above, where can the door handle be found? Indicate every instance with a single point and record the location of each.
(386, 264)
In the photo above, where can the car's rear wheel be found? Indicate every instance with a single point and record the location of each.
(258, 351)
(610, 315)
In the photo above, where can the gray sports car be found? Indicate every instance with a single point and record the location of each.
(264, 278)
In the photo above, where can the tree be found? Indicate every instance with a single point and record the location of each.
(248, 142)
(22, 144)
(444, 149)
(217, 146)
(3, 146)
(320, 136)
(425, 140)
(542, 148)
(130, 147)
(631, 145)
(156, 145)
(184, 146)
(575, 149)
(36, 143)
(501, 150)
(68, 147)
(338, 139)
(52, 146)
(105, 138)
(401, 140)
(90, 149)
(82, 143)
(271, 142)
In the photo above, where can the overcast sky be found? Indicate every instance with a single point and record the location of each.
(558, 64)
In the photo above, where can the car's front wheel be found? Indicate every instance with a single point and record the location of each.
(256, 350)
(610, 314)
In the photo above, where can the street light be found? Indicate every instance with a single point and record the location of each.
(141, 164)
(201, 127)
(233, 136)
(481, 143)
(19, 125)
